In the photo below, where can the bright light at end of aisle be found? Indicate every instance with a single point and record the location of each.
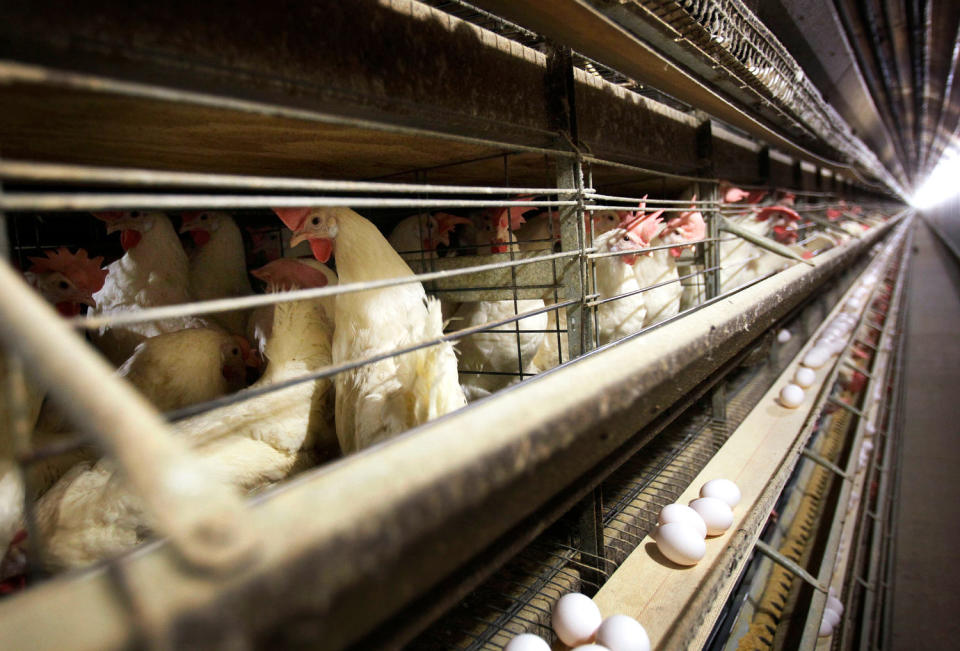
(942, 184)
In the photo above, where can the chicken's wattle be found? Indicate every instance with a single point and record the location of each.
(200, 237)
(322, 248)
(68, 308)
(129, 238)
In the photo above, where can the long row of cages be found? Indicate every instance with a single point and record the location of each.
(375, 410)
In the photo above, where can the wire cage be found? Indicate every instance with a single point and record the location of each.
(528, 260)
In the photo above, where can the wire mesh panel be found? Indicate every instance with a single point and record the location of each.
(507, 267)
(279, 324)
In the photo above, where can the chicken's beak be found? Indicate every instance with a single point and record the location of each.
(253, 359)
(117, 225)
(299, 236)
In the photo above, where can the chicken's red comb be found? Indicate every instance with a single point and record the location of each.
(645, 227)
(512, 213)
(447, 222)
(768, 211)
(84, 272)
(290, 271)
(292, 217)
(690, 223)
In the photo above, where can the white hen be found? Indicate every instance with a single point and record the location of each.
(90, 514)
(417, 237)
(218, 266)
(660, 267)
(153, 272)
(384, 398)
(494, 359)
(67, 281)
(619, 315)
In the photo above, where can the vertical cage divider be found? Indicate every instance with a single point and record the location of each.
(708, 191)
(574, 279)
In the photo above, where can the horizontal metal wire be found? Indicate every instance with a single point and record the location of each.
(654, 174)
(46, 172)
(246, 302)
(52, 202)
(650, 202)
(647, 289)
(334, 369)
(659, 247)
(600, 207)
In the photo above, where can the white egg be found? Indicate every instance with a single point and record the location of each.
(825, 629)
(837, 346)
(682, 513)
(835, 604)
(854, 304)
(784, 336)
(791, 396)
(870, 429)
(831, 617)
(623, 633)
(716, 513)
(527, 642)
(590, 647)
(576, 619)
(805, 377)
(722, 489)
(681, 543)
(816, 357)
(867, 446)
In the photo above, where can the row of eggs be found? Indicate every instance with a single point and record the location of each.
(832, 342)
(578, 623)
(682, 531)
(680, 536)
(831, 615)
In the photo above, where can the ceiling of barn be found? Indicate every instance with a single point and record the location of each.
(878, 95)
(887, 66)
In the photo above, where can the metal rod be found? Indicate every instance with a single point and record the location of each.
(699, 203)
(335, 369)
(762, 242)
(246, 302)
(661, 247)
(790, 565)
(66, 201)
(826, 463)
(204, 519)
(28, 171)
(647, 289)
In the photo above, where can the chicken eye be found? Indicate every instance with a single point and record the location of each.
(315, 221)
(63, 284)
(203, 217)
(135, 213)
(235, 351)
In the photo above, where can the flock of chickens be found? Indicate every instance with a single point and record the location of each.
(84, 512)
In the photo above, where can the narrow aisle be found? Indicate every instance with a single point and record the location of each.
(926, 596)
